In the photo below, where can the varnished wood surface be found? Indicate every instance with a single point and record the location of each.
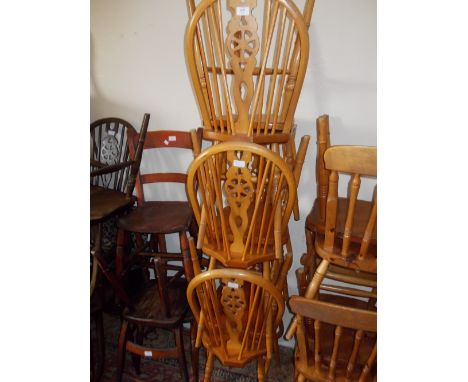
(158, 217)
(238, 75)
(334, 342)
(105, 202)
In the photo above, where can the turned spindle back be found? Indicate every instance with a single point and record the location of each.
(247, 61)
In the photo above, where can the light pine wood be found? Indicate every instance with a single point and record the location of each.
(244, 213)
(338, 249)
(239, 312)
(245, 82)
(346, 355)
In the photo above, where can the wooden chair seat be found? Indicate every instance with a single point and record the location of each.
(158, 217)
(362, 212)
(105, 202)
(352, 260)
(149, 310)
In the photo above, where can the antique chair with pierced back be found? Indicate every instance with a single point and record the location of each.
(247, 81)
(358, 254)
(244, 201)
(343, 345)
(162, 303)
(315, 221)
(238, 313)
(112, 178)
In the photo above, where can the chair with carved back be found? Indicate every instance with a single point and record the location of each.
(315, 221)
(112, 178)
(247, 81)
(344, 249)
(343, 346)
(162, 303)
(238, 313)
(244, 201)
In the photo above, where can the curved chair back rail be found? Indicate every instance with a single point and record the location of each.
(241, 312)
(246, 195)
(343, 345)
(247, 77)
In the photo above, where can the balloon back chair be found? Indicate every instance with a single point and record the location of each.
(344, 249)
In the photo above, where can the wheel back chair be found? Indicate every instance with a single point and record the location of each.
(112, 181)
(345, 250)
(162, 303)
(247, 80)
(238, 313)
(245, 198)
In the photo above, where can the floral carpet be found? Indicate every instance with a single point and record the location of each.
(167, 370)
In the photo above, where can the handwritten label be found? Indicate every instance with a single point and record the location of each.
(172, 138)
(239, 163)
(148, 353)
(232, 285)
(242, 11)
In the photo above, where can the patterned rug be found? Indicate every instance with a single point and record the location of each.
(167, 370)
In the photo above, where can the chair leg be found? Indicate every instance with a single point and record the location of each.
(261, 369)
(300, 378)
(310, 260)
(100, 345)
(121, 350)
(136, 359)
(120, 253)
(208, 367)
(178, 334)
(194, 351)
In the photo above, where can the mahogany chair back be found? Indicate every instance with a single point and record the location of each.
(162, 139)
(245, 200)
(247, 79)
(238, 312)
(344, 344)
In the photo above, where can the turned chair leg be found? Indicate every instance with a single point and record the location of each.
(178, 334)
(300, 378)
(121, 350)
(208, 367)
(100, 345)
(261, 369)
(136, 359)
(194, 351)
(311, 259)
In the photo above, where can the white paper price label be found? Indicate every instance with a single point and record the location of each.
(172, 138)
(232, 285)
(148, 353)
(239, 163)
(242, 11)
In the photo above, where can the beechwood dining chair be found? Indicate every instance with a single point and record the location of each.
(357, 254)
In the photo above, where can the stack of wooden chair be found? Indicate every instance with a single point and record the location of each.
(336, 314)
(247, 63)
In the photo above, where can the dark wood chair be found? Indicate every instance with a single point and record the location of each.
(162, 303)
(112, 181)
(343, 346)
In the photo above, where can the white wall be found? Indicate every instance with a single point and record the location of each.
(138, 66)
